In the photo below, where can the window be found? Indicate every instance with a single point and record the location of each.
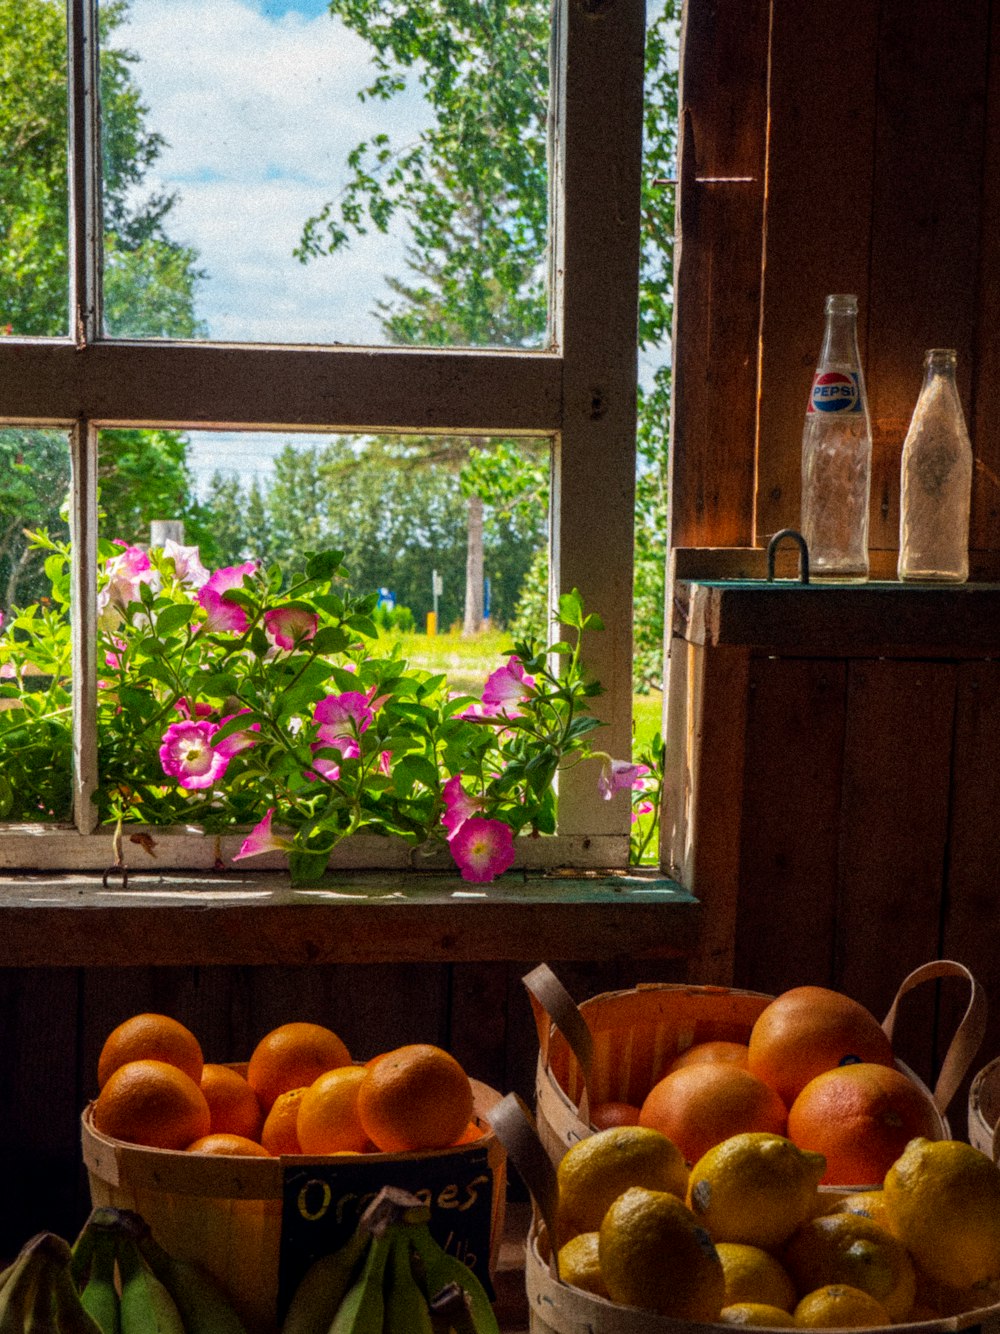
(578, 392)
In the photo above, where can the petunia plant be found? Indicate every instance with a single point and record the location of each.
(232, 702)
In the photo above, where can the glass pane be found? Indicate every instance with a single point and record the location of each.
(34, 233)
(35, 720)
(441, 539)
(319, 171)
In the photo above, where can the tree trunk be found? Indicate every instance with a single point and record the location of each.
(473, 621)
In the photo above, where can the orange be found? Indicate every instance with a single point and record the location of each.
(861, 1118)
(604, 1115)
(698, 1106)
(808, 1030)
(416, 1097)
(292, 1057)
(472, 1132)
(280, 1134)
(150, 1037)
(232, 1102)
(733, 1053)
(327, 1119)
(152, 1103)
(229, 1146)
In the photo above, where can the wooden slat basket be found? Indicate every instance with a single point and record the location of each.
(617, 1045)
(226, 1213)
(984, 1110)
(557, 1308)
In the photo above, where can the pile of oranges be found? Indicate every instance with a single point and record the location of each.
(300, 1093)
(817, 1068)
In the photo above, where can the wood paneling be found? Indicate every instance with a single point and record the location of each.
(717, 267)
(788, 856)
(985, 525)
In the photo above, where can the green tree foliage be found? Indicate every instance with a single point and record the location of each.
(149, 279)
(473, 190)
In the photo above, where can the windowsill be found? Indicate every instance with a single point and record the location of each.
(233, 917)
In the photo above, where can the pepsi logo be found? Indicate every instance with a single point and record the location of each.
(835, 391)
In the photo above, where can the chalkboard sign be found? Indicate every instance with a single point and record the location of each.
(323, 1201)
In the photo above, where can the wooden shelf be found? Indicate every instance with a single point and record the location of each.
(358, 917)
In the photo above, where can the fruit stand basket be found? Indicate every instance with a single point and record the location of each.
(229, 1213)
(984, 1110)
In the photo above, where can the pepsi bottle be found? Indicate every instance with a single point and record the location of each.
(837, 453)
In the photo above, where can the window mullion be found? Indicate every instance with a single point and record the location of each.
(597, 145)
(85, 220)
(83, 601)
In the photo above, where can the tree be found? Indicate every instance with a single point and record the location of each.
(473, 190)
(149, 279)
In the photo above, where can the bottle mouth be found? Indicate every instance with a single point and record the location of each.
(941, 354)
(842, 304)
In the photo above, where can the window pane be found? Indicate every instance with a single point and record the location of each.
(319, 171)
(34, 267)
(456, 527)
(35, 717)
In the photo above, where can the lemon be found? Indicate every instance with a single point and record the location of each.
(596, 1170)
(580, 1264)
(871, 1203)
(851, 1249)
(755, 1188)
(839, 1306)
(654, 1255)
(753, 1276)
(756, 1313)
(943, 1202)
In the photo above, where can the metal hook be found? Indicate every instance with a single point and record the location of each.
(772, 550)
(117, 869)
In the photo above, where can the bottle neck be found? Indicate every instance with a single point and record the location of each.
(939, 365)
(840, 339)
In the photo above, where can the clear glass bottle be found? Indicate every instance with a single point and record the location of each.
(837, 453)
(936, 479)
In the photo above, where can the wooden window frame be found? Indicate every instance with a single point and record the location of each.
(580, 393)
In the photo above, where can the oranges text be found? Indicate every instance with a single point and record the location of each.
(154, 1037)
(152, 1103)
(416, 1097)
(808, 1030)
(698, 1106)
(861, 1118)
(293, 1056)
(327, 1120)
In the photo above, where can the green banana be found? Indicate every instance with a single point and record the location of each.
(27, 1280)
(363, 1308)
(102, 1216)
(100, 1296)
(71, 1316)
(146, 1305)
(204, 1307)
(324, 1286)
(406, 1309)
(441, 1269)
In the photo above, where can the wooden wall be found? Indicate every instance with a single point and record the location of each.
(54, 1020)
(870, 134)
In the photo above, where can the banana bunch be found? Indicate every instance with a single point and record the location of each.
(128, 1284)
(37, 1294)
(391, 1277)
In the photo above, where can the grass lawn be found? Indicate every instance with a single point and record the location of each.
(468, 662)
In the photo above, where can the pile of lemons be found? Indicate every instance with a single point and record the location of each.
(746, 1237)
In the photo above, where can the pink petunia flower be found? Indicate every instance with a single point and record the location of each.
(288, 627)
(324, 766)
(125, 575)
(188, 755)
(1, 620)
(478, 710)
(483, 849)
(236, 741)
(616, 775)
(184, 708)
(459, 805)
(341, 720)
(261, 839)
(112, 660)
(187, 563)
(508, 684)
(222, 615)
(642, 808)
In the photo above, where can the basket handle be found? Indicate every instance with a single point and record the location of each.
(968, 1036)
(514, 1127)
(552, 1004)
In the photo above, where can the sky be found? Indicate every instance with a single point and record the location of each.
(257, 101)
